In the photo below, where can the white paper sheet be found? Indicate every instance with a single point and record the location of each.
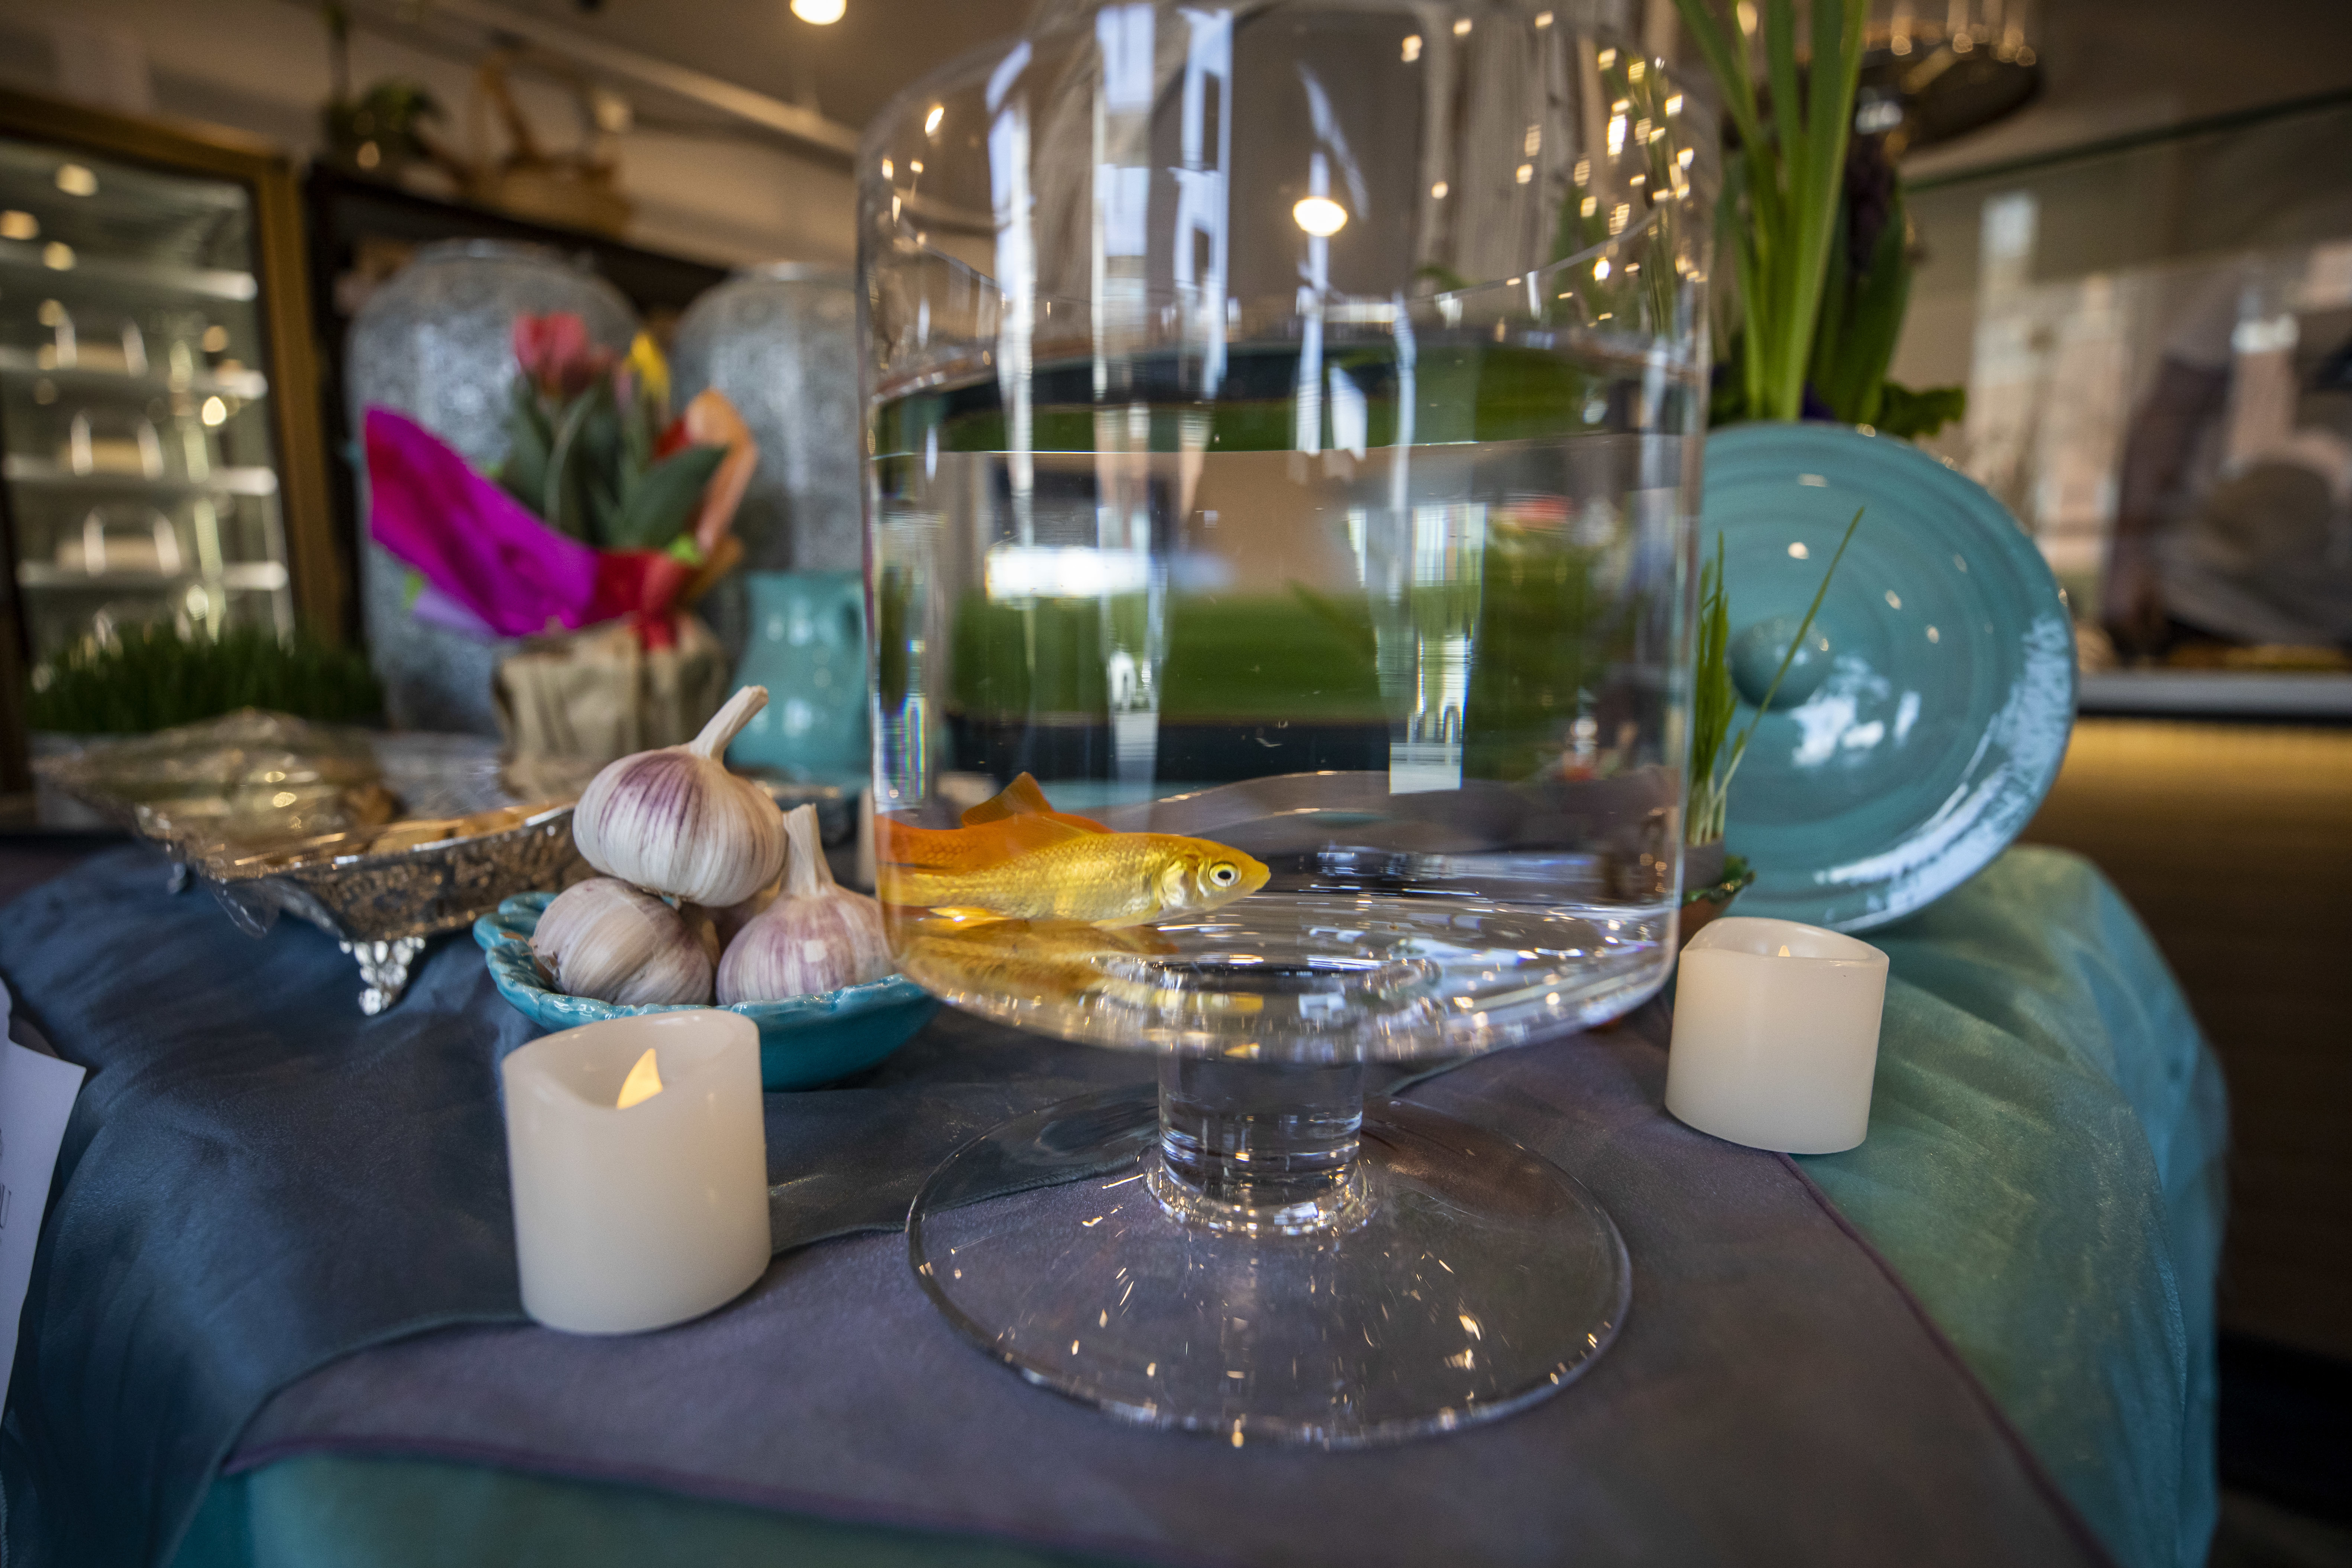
(37, 1095)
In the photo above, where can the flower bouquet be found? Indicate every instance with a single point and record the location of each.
(605, 521)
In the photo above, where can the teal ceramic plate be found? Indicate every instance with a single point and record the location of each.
(1913, 748)
(807, 1041)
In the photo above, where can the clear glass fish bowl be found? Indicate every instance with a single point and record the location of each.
(1284, 426)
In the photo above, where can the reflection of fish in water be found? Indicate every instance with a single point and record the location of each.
(1051, 962)
(1017, 859)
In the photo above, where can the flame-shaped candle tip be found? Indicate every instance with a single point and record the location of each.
(642, 1083)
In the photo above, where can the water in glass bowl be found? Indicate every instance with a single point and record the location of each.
(1366, 671)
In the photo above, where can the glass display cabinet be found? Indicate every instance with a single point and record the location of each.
(158, 404)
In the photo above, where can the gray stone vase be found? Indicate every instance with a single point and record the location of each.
(781, 341)
(436, 343)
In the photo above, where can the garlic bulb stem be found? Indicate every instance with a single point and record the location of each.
(807, 873)
(728, 723)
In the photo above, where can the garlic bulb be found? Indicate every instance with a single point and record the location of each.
(728, 922)
(675, 821)
(603, 938)
(815, 937)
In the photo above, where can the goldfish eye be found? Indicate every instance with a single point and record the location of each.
(1223, 875)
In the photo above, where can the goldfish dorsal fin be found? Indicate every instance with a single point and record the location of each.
(971, 848)
(1022, 797)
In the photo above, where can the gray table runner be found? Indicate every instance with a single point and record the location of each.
(259, 1182)
(1776, 1396)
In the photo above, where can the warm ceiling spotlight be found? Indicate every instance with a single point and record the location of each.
(1320, 217)
(75, 180)
(820, 13)
(931, 120)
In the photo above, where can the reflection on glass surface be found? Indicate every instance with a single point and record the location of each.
(2158, 351)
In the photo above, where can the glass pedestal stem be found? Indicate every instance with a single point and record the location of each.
(1260, 1149)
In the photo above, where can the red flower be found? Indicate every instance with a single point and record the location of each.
(555, 351)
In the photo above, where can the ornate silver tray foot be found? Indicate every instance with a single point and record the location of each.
(384, 966)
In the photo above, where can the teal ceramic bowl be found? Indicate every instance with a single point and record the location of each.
(1904, 754)
(807, 1041)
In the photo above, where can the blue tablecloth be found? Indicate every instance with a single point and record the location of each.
(2042, 1170)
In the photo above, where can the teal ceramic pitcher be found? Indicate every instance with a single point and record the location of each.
(807, 646)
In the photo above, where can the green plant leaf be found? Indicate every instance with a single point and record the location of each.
(1739, 748)
(1821, 367)
(523, 471)
(639, 434)
(562, 502)
(1726, 59)
(1714, 702)
(654, 508)
(1879, 304)
(1902, 411)
(600, 511)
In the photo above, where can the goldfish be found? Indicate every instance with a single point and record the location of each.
(1107, 880)
(1018, 858)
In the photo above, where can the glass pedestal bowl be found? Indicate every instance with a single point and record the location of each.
(1283, 432)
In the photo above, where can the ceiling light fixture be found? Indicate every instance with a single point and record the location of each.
(1320, 217)
(820, 13)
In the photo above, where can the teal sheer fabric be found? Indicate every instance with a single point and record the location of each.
(321, 1509)
(2043, 1169)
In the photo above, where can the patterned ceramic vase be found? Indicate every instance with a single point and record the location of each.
(781, 342)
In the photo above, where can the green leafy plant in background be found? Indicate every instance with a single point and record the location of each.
(1815, 222)
(1716, 701)
(152, 678)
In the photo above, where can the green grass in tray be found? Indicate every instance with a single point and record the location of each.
(152, 678)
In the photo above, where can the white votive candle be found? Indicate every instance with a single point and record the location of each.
(633, 1217)
(1776, 1035)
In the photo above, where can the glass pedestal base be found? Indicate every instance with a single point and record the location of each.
(1430, 1275)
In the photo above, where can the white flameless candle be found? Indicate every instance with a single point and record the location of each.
(640, 1164)
(1776, 1035)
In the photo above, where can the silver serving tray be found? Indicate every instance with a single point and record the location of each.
(381, 904)
(463, 837)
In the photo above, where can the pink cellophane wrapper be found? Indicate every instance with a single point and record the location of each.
(468, 538)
